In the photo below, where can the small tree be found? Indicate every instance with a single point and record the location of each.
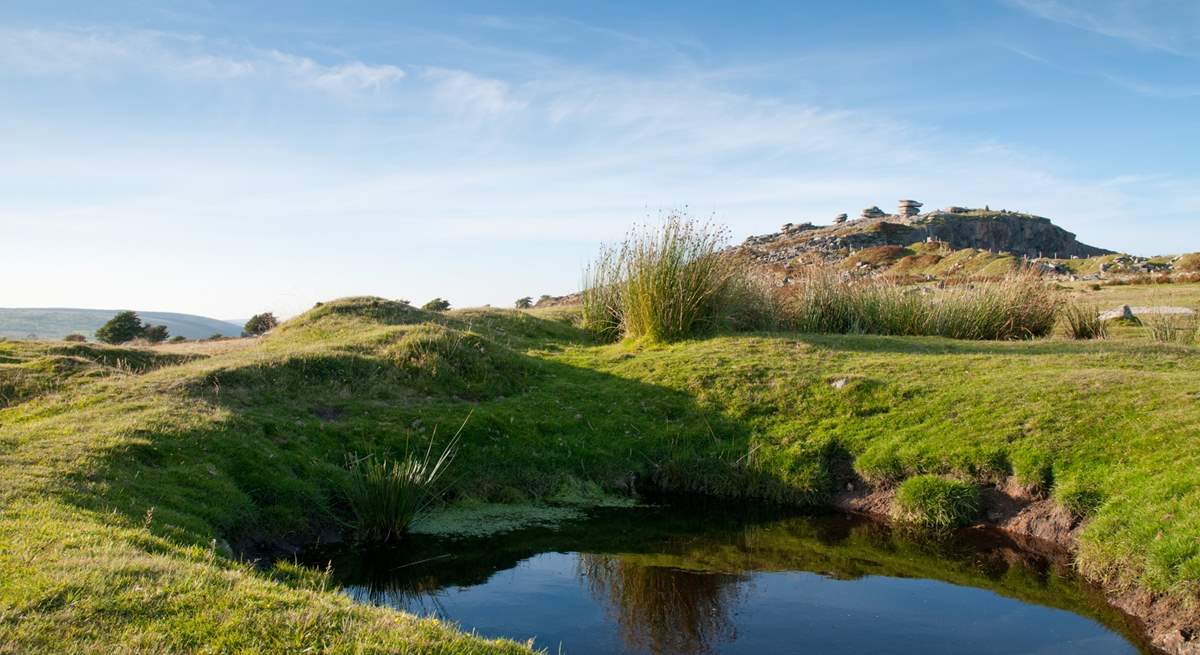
(524, 303)
(179, 338)
(155, 333)
(436, 305)
(76, 338)
(260, 324)
(124, 327)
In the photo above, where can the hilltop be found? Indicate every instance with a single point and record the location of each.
(58, 322)
(1020, 234)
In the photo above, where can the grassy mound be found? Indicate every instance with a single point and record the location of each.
(937, 502)
(125, 494)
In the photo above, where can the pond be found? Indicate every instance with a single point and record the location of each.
(716, 579)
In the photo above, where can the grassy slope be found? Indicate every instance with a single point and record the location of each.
(245, 444)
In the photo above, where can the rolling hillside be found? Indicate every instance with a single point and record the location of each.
(57, 322)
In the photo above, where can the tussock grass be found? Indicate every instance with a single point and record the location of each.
(387, 495)
(1083, 322)
(1018, 306)
(668, 282)
(937, 502)
(1171, 328)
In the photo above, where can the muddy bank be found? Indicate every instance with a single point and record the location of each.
(1170, 625)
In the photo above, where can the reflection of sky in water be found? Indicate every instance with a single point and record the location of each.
(593, 604)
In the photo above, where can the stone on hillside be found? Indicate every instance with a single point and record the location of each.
(872, 212)
(910, 207)
(839, 219)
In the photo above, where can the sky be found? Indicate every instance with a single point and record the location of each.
(227, 158)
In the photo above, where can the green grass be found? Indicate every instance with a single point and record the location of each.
(125, 490)
(937, 502)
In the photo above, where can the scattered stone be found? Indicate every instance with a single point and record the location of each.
(872, 212)
(839, 219)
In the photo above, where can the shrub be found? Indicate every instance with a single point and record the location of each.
(524, 303)
(386, 496)
(122, 328)
(436, 305)
(75, 338)
(260, 324)
(937, 502)
(667, 283)
(155, 333)
(179, 338)
(1084, 322)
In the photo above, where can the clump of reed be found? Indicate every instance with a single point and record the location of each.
(387, 495)
(823, 300)
(1172, 328)
(669, 282)
(1083, 322)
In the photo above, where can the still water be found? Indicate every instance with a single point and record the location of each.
(674, 580)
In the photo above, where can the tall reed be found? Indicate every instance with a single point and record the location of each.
(667, 282)
(387, 495)
(823, 300)
(1084, 322)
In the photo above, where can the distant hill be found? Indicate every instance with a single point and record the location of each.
(58, 322)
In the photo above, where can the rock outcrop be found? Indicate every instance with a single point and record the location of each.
(1020, 234)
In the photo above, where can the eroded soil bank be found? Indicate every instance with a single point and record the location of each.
(1170, 625)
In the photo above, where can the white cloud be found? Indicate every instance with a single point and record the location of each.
(464, 92)
(107, 54)
(1168, 25)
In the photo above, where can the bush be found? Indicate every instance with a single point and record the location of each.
(155, 333)
(524, 303)
(386, 496)
(937, 502)
(1084, 322)
(122, 328)
(667, 283)
(75, 338)
(260, 324)
(178, 339)
(436, 305)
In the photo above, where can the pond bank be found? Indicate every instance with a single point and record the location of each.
(1167, 622)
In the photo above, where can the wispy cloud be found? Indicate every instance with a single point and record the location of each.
(103, 54)
(463, 92)
(1167, 25)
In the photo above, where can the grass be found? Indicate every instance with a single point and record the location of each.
(1083, 321)
(127, 489)
(664, 283)
(937, 502)
(387, 495)
(1018, 306)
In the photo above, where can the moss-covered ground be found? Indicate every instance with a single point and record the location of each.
(129, 478)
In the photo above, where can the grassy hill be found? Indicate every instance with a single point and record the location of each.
(130, 477)
(58, 322)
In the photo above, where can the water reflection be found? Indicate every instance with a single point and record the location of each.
(662, 610)
(672, 581)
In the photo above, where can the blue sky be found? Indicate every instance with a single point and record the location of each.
(223, 159)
